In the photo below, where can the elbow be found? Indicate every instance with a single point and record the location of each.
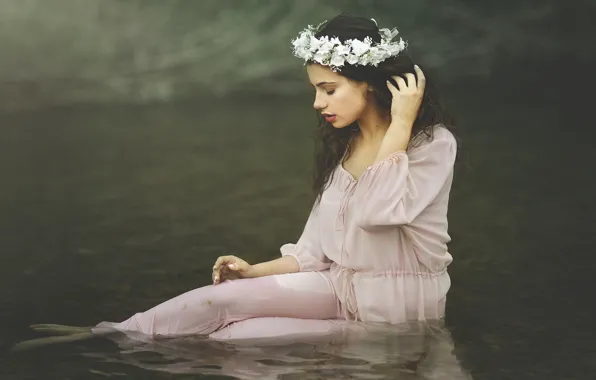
(294, 265)
(369, 224)
(304, 261)
(371, 220)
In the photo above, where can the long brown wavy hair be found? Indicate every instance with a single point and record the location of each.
(332, 144)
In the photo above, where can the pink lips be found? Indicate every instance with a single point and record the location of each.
(330, 118)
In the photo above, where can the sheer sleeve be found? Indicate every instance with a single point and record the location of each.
(307, 250)
(396, 190)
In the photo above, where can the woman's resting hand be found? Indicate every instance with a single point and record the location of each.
(229, 268)
(232, 267)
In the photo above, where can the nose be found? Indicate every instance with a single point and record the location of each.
(319, 103)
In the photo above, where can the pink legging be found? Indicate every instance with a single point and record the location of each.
(303, 302)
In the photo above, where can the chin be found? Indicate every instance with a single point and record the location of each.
(340, 124)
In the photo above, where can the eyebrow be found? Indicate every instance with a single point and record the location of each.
(323, 83)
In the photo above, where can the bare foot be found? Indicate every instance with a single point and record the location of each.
(35, 343)
(59, 329)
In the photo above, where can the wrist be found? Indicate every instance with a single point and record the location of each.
(399, 134)
(251, 272)
(400, 124)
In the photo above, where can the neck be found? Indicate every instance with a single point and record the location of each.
(373, 126)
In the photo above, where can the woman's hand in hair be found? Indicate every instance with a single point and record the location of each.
(405, 103)
(406, 97)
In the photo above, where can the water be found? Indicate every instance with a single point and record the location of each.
(107, 211)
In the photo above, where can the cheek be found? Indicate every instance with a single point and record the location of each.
(351, 104)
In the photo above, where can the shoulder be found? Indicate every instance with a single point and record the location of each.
(440, 136)
(440, 146)
(441, 133)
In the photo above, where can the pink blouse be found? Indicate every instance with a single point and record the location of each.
(384, 236)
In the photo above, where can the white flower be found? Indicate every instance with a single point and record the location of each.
(359, 47)
(337, 60)
(352, 59)
(335, 41)
(395, 48)
(379, 54)
(364, 60)
(326, 47)
(306, 54)
(303, 40)
(315, 43)
(320, 57)
(388, 34)
(342, 50)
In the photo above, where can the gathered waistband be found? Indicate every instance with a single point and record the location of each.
(370, 272)
(347, 294)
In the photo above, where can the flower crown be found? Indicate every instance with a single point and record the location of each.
(332, 52)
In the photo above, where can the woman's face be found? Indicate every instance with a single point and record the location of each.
(339, 100)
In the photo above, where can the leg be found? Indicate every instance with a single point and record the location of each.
(276, 331)
(305, 295)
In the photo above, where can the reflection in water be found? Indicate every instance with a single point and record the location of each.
(413, 351)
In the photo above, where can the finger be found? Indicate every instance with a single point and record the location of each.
(421, 77)
(222, 260)
(217, 262)
(229, 274)
(224, 274)
(238, 264)
(232, 266)
(401, 83)
(411, 80)
(215, 272)
(392, 88)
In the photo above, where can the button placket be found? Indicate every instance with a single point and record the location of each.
(349, 188)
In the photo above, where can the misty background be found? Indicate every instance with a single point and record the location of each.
(139, 51)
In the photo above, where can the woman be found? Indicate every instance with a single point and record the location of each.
(374, 248)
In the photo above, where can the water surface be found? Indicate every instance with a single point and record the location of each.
(106, 211)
